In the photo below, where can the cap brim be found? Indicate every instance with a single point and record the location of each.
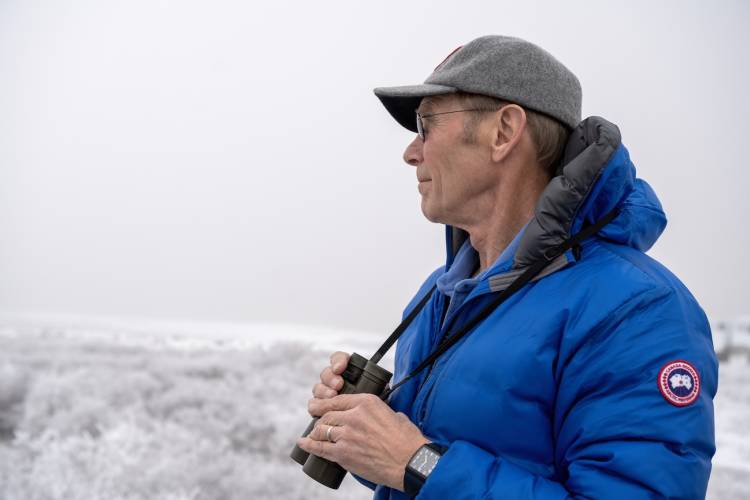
(401, 102)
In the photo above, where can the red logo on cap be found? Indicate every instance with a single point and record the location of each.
(448, 57)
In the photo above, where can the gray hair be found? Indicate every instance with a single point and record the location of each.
(548, 134)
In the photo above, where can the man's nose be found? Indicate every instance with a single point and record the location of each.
(413, 152)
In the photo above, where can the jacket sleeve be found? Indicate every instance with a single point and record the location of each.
(365, 482)
(617, 436)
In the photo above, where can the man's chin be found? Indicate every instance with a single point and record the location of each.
(430, 215)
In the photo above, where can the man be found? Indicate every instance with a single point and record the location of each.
(594, 377)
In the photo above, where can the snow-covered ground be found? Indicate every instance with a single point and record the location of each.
(94, 410)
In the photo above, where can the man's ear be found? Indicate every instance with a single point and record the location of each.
(509, 125)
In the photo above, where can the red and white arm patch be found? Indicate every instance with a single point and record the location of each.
(679, 383)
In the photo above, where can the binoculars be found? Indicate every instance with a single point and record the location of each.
(361, 376)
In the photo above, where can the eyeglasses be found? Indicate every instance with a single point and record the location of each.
(420, 125)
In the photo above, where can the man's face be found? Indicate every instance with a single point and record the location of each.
(453, 175)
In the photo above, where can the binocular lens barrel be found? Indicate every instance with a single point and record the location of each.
(360, 377)
(351, 374)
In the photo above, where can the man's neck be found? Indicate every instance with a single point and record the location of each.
(502, 218)
(491, 239)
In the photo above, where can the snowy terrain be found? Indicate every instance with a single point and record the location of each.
(94, 410)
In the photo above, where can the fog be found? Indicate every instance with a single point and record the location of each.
(227, 161)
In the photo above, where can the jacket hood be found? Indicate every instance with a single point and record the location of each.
(596, 175)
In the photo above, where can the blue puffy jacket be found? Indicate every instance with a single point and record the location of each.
(593, 381)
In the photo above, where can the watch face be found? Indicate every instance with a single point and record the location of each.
(424, 461)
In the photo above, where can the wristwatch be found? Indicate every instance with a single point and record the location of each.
(420, 466)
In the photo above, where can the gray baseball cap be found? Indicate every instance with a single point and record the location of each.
(498, 66)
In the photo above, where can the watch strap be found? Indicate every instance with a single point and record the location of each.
(413, 481)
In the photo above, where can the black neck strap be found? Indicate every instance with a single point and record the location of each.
(403, 326)
(450, 339)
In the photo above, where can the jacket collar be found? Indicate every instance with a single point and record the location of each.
(595, 176)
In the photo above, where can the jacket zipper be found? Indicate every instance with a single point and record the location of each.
(422, 410)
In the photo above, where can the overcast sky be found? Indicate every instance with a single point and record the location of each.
(227, 160)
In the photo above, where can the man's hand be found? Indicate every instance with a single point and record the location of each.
(366, 436)
(330, 378)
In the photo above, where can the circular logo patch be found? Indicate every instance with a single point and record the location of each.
(679, 383)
